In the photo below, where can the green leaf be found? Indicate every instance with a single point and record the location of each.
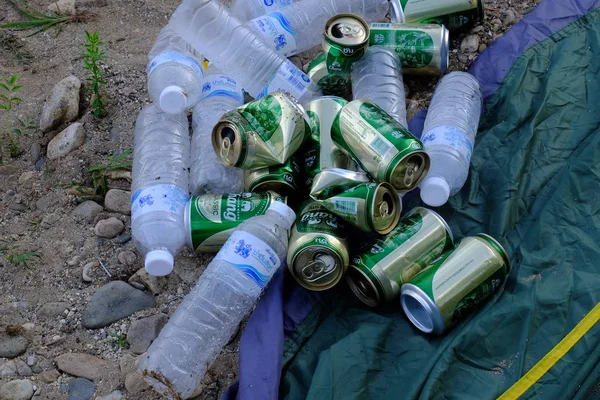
(18, 131)
(13, 79)
(16, 99)
(3, 86)
(17, 88)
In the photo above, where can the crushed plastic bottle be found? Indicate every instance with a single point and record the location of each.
(246, 10)
(160, 187)
(448, 135)
(220, 93)
(237, 50)
(174, 72)
(208, 316)
(377, 76)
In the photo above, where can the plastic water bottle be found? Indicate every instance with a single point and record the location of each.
(160, 187)
(234, 48)
(449, 134)
(220, 94)
(174, 72)
(208, 316)
(299, 27)
(378, 76)
(248, 9)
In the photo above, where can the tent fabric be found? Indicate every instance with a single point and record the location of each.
(534, 185)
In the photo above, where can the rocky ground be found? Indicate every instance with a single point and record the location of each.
(76, 307)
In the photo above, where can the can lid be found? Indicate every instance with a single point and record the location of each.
(363, 286)
(435, 191)
(285, 211)
(159, 262)
(396, 13)
(421, 310)
(386, 208)
(317, 268)
(228, 139)
(172, 100)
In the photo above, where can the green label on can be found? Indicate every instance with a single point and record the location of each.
(351, 205)
(314, 218)
(414, 48)
(288, 173)
(331, 83)
(264, 115)
(454, 14)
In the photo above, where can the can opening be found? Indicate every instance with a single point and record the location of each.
(362, 287)
(387, 204)
(412, 169)
(417, 313)
(336, 31)
(228, 135)
(322, 265)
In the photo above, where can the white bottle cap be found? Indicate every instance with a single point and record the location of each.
(285, 211)
(435, 191)
(159, 262)
(173, 100)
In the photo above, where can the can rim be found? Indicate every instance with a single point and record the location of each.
(217, 142)
(498, 248)
(443, 221)
(258, 188)
(359, 293)
(396, 12)
(445, 50)
(400, 163)
(340, 272)
(426, 304)
(187, 221)
(333, 41)
(380, 190)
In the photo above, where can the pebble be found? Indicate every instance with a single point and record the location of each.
(27, 176)
(87, 211)
(17, 390)
(66, 141)
(156, 284)
(123, 238)
(63, 7)
(35, 151)
(22, 368)
(7, 170)
(463, 58)
(49, 376)
(116, 395)
(8, 369)
(63, 104)
(142, 332)
(482, 47)
(54, 340)
(109, 228)
(496, 21)
(17, 207)
(127, 257)
(87, 269)
(469, 44)
(50, 219)
(45, 203)
(112, 302)
(81, 389)
(12, 346)
(31, 360)
(128, 364)
(135, 383)
(81, 365)
(118, 200)
(39, 165)
(477, 29)
(509, 17)
(50, 310)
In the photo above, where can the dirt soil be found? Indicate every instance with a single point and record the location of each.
(42, 257)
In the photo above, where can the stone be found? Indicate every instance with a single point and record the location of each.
(27, 176)
(127, 257)
(109, 228)
(63, 104)
(45, 203)
(17, 390)
(188, 269)
(112, 302)
(477, 29)
(66, 141)
(123, 238)
(482, 47)
(22, 368)
(469, 44)
(31, 360)
(142, 332)
(81, 389)
(7, 170)
(156, 284)
(87, 211)
(8, 369)
(50, 310)
(509, 17)
(49, 376)
(463, 58)
(63, 7)
(82, 365)
(118, 200)
(135, 383)
(496, 22)
(35, 151)
(39, 165)
(12, 346)
(116, 395)
(128, 364)
(17, 207)
(50, 219)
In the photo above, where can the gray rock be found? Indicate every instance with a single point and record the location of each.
(31, 360)
(118, 201)
(128, 364)
(22, 368)
(469, 44)
(50, 219)
(8, 369)
(109, 228)
(66, 141)
(509, 17)
(463, 58)
(63, 7)
(142, 332)
(127, 257)
(123, 238)
(17, 390)
(156, 284)
(6, 170)
(116, 395)
(135, 383)
(63, 104)
(45, 203)
(87, 211)
(26, 177)
(49, 376)
(35, 151)
(17, 207)
(12, 346)
(81, 389)
(477, 29)
(39, 165)
(50, 310)
(82, 365)
(112, 302)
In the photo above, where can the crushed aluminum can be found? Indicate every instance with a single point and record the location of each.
(331, 84)
(456, 15)
(283, 179)
(346, 40)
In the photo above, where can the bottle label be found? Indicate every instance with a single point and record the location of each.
(173, 56)
(449, 136)
(250, 255)
(277, 30)
(270, 5)
(165, 198)
(289, 78)
(221, 85)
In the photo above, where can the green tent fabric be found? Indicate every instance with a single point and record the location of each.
(534, 184)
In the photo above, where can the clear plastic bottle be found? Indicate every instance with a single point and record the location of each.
(378, 76)
(209, 315)
(234, 48)
(220, 94)
(246, 10)
(174, 72)
(161, 159)
(449, 134)
(299, 27)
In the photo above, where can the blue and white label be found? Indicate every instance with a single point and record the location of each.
(277, 31)
(158, 198)
(272, 5)
(221, 85)
(175, 57)
(252, 256)
(449, 136)
(289, 78)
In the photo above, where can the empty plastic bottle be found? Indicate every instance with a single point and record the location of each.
(209, 315)
(174, 72)
(299, 27)
(449, 134)
(234, 48)
(378, 76)
(160, 187)
(246, 10)
(220, 94)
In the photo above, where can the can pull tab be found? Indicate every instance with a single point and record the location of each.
(225, 147)
(384, 208)
(411, 173)
(349, 30)
(322, 266)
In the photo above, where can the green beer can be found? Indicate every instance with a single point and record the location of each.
(318, 251)
(381, 145)
(422, 49)
(345, 40)
(456, 15)
(282, 179)
(378, 270)
(210, 219)
(262, 133)
(455, 284)
(330, 83)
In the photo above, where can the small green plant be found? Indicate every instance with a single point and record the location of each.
(98, 174)
(21, 259)
(119, 340)
(35, 224)
(9, 88)
(91, 62)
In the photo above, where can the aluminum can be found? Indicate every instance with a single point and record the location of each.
(211, 218)
(282, 179)
(318, 250)
(330, 83)
(381, 145)
(422, 49)
(345, 40)
(262, 133)
(378, 269)
(455, 284)
(456, 15)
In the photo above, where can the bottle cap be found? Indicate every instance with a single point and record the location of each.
(173, 100)
(435, 191)
(285, 211)
(159, 262)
